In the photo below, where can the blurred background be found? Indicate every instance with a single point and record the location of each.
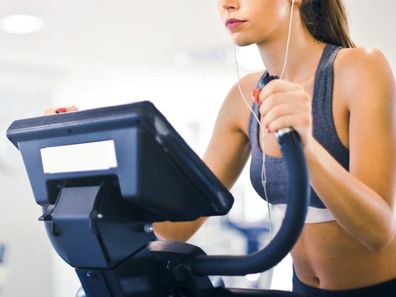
(93, 53)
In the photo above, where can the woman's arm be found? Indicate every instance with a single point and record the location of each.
(226, 155)
(362, 199)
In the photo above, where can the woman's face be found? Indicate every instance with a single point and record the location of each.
(254, 21)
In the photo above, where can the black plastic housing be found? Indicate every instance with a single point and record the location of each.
(157, 171)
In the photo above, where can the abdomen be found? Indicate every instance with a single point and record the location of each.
(327, 257)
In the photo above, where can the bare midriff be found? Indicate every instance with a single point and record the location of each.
(326, 257)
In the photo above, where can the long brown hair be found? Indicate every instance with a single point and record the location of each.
(327, 21)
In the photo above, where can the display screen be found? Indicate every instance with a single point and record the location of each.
(79, 157)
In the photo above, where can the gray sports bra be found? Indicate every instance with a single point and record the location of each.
(323, 131)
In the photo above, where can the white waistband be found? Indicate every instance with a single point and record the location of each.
(314, 215)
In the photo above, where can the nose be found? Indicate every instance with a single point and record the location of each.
(229, 4)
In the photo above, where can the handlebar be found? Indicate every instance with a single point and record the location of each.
(298, 199)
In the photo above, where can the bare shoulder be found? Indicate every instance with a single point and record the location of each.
(235, 107)
(363, 70)
(362, 58)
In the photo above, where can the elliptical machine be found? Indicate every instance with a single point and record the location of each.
(103, 176)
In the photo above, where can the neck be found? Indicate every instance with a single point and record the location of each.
(303, 58)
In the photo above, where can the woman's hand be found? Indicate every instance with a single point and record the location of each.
(285, 105)
(50, 111)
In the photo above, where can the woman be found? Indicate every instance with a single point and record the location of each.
(340, 99)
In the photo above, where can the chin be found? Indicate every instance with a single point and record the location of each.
(242, 42)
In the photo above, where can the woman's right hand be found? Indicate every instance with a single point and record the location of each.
(51, 111)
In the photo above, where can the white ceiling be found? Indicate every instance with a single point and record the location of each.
(130, 32)
(111, 32)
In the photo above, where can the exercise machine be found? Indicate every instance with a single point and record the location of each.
(104, 176)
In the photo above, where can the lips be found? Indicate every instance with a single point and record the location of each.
(231, 24)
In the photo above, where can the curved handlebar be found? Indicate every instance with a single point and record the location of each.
(298, 199)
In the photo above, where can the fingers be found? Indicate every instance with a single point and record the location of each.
(72, 108)
(278, 86)
(256, 96)
(295, 99)
(51, 111)
(274, 87)
(284, 105)
(297, 120)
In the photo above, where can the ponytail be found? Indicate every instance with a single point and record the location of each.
(327, 21)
